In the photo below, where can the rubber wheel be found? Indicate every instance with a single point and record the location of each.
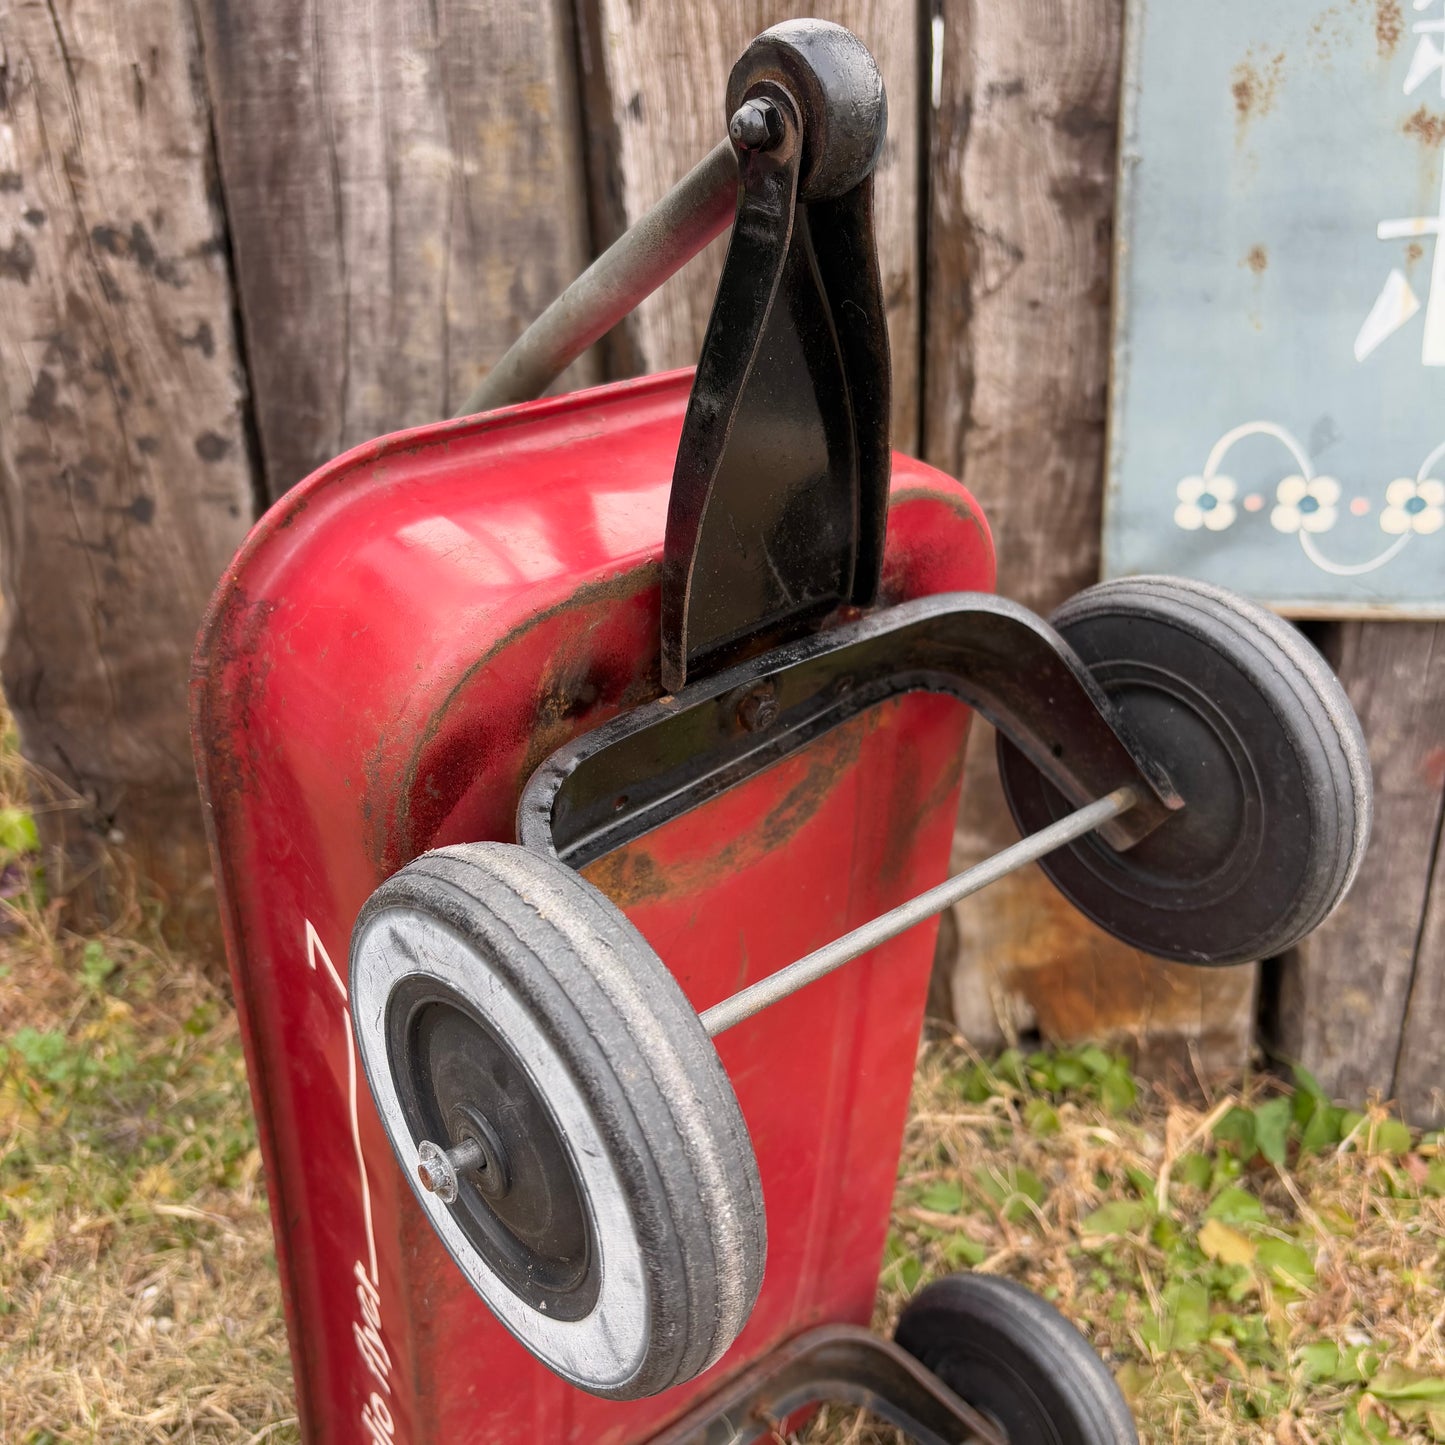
(1017, 1360)
(1261, 742)
(614, 1223)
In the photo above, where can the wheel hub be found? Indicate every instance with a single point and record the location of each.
(489, 1148)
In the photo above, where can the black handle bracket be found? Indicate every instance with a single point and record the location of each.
(780, 490)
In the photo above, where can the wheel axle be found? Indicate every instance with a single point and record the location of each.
(437, 1168)
(756, 997)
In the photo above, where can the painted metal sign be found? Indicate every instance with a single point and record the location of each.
(1278, 398)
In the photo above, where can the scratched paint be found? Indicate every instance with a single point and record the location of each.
(1279, 350)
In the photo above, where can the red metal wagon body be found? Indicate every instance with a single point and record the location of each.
(403, 638)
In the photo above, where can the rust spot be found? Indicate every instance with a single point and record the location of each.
(1389, 26)
(392, 840)
(1432, 769)
(1413, 252)
(1254, 83)
(1257, 260)
(631, 875)
(1426, 126)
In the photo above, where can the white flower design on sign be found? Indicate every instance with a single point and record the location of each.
(1305, 505)
(1205, 502)
(1412, 506)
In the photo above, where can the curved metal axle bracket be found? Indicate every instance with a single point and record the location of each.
(651, 764)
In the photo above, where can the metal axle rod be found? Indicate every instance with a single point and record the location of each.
(816, 965)
(696, 209)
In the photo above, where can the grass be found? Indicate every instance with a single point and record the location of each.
(1258, 1266)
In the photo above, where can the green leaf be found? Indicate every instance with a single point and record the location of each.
(975, 1084)
(1271, 1129)
(1010, 1189)
(960, 1249)
(1193, 1169)
(1237, 1127)
(1392, 1137)
(1321, 1130)
(1143, 1182)
(1354, 1431)
(1306, 1083)
(1326, 1361)
(1117, 1090)
(1287, 1263)
(1095, 1060)
(1066, 1072)
(943, 1196)
(17, 834)
(1009, 1068)
(1118, 1217)
(95, 966)
(1398, 1384)
(1233, 1205)
(1435, 1178)
(1183, 1320)
(1041, 1117)
(909, 1272)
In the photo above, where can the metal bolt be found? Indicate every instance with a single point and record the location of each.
(437, 1168)
(756, 126)
(758, 708)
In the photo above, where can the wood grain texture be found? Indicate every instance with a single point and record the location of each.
(405, 192)
(656, 73)
(1016, 361)
(124, 474)
(1420, 1063)
(1362, 1002)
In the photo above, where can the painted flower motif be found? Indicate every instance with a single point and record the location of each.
(1205, 502)
(1412, 506)
(1302, 506)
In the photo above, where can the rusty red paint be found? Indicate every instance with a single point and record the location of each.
(398, 643)
(1432, 769)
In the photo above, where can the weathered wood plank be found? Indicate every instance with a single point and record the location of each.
(1016, 362)
(1362, 1004)
(655, 79)
(405, 192)
(123, 463)
(1420, 1065)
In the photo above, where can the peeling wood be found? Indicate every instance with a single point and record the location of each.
(1362, 1001)
(405, 193)
(124, 479)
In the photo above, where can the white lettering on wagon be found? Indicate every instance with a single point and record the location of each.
(366, 1329)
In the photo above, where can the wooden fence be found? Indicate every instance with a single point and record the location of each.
(237, 238)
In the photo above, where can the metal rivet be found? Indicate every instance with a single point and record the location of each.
(758, 708)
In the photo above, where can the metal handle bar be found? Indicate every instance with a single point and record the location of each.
(662, 242)
(758, 996)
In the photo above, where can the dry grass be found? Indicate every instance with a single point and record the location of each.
(138, 1291)
(1235, 1298)
(139, 1303)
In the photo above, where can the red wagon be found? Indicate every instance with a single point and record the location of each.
(545, 747)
